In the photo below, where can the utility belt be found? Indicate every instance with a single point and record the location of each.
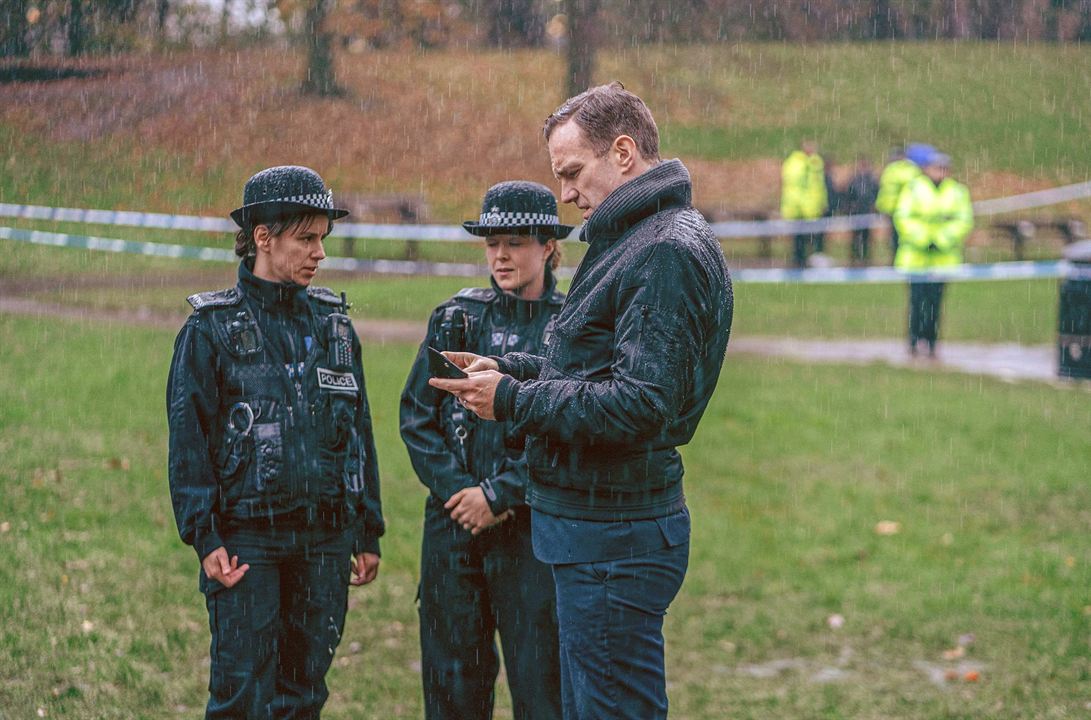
(324, 514)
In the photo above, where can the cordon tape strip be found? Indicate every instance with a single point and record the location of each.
(733, 229)
(996, 271)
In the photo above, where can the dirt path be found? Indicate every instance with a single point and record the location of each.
(1006, 361)
(377, 331)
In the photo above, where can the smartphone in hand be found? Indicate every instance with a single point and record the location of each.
(441, 367)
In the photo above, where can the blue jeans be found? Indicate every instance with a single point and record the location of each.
(610, 617)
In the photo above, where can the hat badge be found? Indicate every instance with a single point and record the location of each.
(493, 217)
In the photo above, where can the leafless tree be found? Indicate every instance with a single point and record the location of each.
(583, 37)
(13, 28)
(320, 78)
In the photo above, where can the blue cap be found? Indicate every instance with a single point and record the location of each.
(938, 159)
(919, 153)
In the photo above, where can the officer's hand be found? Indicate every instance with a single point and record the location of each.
(476, 393)
(471, 510)
(217, 567)
(470, 362)
(365, 568)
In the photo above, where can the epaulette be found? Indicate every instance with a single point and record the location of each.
(476, 294)
(323, 294)
(214, 298)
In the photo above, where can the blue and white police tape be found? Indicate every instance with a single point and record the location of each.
(192, 252)
(996, 271)
(731, 229)
(212, 224)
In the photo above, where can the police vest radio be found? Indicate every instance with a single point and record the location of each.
(453, 329)
(243, 335)
(340, 342)
(341, 338)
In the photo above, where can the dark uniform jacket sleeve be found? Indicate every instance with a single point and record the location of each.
(509, 488)
(652, 365)
(370, 511)
(521, 366)
(192, 402)
(422, 428)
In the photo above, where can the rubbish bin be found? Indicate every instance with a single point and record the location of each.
(1074, 314)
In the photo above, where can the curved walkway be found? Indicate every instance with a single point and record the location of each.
(1007, 361)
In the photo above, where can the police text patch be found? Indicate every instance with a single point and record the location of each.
(331, 380)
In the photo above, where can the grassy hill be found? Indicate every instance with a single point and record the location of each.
(181, 133)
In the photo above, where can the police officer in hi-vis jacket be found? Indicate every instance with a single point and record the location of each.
(272, 466)
(934, 216)
(479, 576)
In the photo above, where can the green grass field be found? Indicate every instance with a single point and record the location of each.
(792, 469)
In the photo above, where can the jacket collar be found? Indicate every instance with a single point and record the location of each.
(665, 185)
(519, 309)
(270, 296)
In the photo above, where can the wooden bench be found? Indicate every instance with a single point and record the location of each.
(1021, 232)
(383, 209)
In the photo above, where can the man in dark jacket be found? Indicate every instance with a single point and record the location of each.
(634, 357)
(859, 199)
(479, 575)
(272, 465)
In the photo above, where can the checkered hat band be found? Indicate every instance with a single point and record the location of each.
(515, 219)
(318, 200)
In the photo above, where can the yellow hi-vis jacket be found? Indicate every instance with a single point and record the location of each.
(803, 187)
(932, 223)
(895, 177)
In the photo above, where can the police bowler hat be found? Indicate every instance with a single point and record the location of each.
(518, 207)
(283, 191)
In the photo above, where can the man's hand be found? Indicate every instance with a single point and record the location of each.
(471, 510)
(476, 393)
(218, 568)
(365, 568)
(470, 362)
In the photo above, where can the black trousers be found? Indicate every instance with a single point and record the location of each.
(924, 310)
(861, 244)
(471, 588)
(274, 633)
(893, 241)
(804, 244)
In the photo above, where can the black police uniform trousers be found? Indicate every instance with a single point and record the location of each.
(274, 633)
(803, 244)
(472, 587)
(861, 245)
(924, 308)
(893, 240)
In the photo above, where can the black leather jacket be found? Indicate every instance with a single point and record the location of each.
(451, 448)
(633, 360)
(268, 415)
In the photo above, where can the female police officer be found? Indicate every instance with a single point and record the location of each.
(478, 572)
(272, 469)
